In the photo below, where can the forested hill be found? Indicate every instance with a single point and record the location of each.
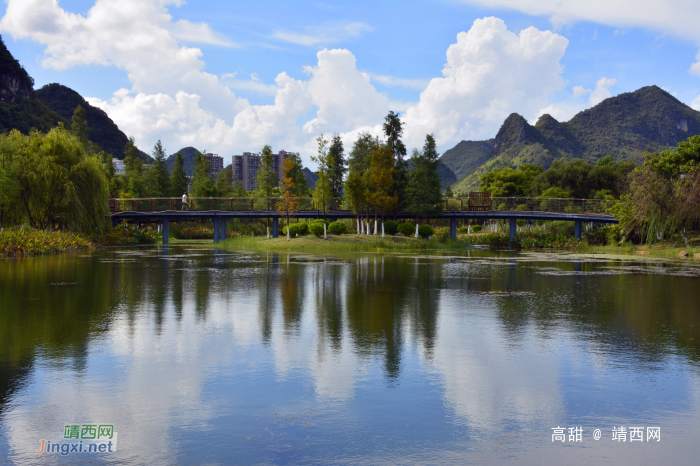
(647, 120)
(19, 106)
(188, 156)
(101, 129)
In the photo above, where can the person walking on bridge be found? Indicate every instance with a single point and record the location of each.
(184, 202)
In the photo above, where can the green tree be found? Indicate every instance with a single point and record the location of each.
(509, 182)
(424, 194)
(132, 183)
(358, 164)
(322, 193)
(267, 175)
(202, 184)
(178, 177)
(79, 126)
(448, 192)
(393, 129)
(224, 182)
(296, 173)
(158, 179)
(338, 168)
(55, 181)
(379, 180)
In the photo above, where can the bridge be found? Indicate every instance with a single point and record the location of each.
(478, 207)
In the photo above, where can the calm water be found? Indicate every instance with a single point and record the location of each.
(212, 357)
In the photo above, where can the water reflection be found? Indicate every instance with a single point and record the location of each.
(359, 351)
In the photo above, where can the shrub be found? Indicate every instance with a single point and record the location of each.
(407, 229)
(27, 242)
(477, 228)
(194, 232)
(338, 228)
(595, 237)
(316, 227)
(391, 227)
(296, 229)
(128, 235)
(303, 229)
(613, 234)
(441, 233)
(424, 231)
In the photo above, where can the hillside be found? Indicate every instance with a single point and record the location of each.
(311, 178)
(19, 106)
(188, 156)
(625, 126)
(101, 129)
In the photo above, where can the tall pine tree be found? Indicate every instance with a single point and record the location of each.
(424, 195)
(158, 179)
(178, 177)
(322, 191)
(393, 129)
(338, 168)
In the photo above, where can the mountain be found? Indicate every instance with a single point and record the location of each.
(311, 178)
(19, 106)
(101, 129)
(647, 120)
(188, 156)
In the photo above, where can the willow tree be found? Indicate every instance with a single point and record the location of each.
(55, 181)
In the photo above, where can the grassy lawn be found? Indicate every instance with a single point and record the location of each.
(337, 243)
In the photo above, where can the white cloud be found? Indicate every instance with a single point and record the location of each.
(199, 33)
(327, 34)
(392, 81)
(674, 17)
(565, 110)
(696, 103)
(490, 73)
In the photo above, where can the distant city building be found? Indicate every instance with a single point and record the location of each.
(245, 167)
(216, 163)
(119, 166)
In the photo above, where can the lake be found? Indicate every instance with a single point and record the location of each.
(203, 356)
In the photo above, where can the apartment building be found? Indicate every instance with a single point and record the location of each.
(216, 163)
(245, 167)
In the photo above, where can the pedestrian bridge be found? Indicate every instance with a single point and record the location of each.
(219, 209)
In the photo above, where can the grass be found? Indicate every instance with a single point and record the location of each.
(665, 249)
(338, 243)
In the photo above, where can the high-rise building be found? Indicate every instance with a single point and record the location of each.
(216, 163)
(245, 167)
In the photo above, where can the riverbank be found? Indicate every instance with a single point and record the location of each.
(338, 243)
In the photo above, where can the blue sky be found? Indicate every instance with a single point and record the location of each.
(209, 73)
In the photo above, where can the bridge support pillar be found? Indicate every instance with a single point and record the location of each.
(216, 229)
(577, 228)
(275, 227)
(222, 225)
(453, 228)
(166, 230)
(513, 227)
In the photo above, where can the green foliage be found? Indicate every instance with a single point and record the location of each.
(299, 229)
(406, 229)
(79, 126)
(528, 241)
(508, 182)
(672, 163)
(338, 228)
(393, 130)
(555, 192)
(296, 173)
(158, 179)
(178, 177)
(355, 191)
(202, 184)
(379, 181)
(316, 227)
(49, 179)
(129, 235)
(322, 193)
(224, 183)
(580, 179)
(23, 241)
(425, 231)
(338, 166)
(477, 228)
(448, 192)
(267, 175)
(424, 196)
(391, 227)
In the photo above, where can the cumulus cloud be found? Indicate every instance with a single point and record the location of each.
(674, 17)
(392, 81)
(490, 73)
(565, 110)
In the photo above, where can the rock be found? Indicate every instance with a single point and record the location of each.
(642, 252)
(682, 254)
